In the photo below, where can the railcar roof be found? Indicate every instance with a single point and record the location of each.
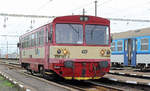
(76, 18)
(34, 30)
(132, 33)
(73, 18)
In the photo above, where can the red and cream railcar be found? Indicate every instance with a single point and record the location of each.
(74, 47)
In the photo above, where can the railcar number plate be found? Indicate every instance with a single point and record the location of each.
(84, 51)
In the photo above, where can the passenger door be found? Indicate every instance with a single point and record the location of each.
(130, 52)
(133, 53)
(46, 48)
(126, 52)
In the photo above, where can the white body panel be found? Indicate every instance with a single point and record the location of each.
(143, 58)
(117, 58)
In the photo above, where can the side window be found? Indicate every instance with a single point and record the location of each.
(51, 33)
(22, 41)
(144, 44)
(29, 40)
(46, 35)
(119, 46)
(32, 40)
(25, 42)
(37, 39)
(41, 36)
(113, 46)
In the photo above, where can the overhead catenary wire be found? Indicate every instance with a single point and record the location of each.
(81, 7)
(42, 16)
(10, 35)
(104, 3)
(132, 20)
(26, 16)
(8, 44)
(45, 4)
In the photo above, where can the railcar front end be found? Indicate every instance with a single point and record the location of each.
(81, 49)
(80, 62)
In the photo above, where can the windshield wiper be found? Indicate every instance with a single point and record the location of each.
(92, 30)
(73, 28)
(77, 31)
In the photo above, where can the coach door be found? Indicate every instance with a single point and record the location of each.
(133, 53)
(46, 49)
(130, 52)
(126, 52)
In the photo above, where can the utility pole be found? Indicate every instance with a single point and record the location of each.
(0, 53)
(95, 7)
(83, 11)
(7, 50)
(7, 47)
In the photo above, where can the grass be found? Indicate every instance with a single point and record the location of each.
(1, 78)
(6, 83)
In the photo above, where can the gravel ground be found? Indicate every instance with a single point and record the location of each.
(133, 71)
(124, 78)
(32, 83)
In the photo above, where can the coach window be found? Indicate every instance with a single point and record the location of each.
(46, 37)
(113, 46)
(32, 40)
(29, 40)
(22, 42)
(119, 46)
(37, 39)
(42, 37)
(25, 42)
(41, 34)
(144, 44)
(51, 33)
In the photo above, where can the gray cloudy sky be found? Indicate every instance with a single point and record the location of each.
(133, 9)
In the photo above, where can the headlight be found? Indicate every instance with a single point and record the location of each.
(102, 52)
(108, 52)
(58, 51)
(65, 52)
(62, 51)
(68, 64)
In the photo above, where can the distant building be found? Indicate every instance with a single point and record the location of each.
(132, 33)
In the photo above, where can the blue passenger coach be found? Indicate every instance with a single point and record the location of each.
(131, 48)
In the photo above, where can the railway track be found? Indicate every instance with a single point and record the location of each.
(128, 74)
(90, 85)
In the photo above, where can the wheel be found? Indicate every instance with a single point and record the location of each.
(143, 68)
(42, 71)
(32, 72)
(29, 70)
